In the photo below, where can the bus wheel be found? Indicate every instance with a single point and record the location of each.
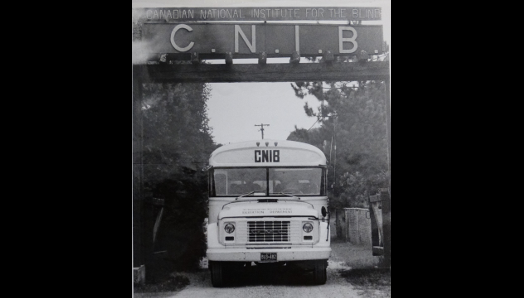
(319, 272)
(217, 274)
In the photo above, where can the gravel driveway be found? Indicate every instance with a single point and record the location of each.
(265, 283)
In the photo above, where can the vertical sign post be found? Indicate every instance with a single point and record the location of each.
(386, 196)
(138, 231)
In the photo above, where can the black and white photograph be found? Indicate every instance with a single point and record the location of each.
(261, 148)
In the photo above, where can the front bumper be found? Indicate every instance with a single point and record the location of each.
(253, 255)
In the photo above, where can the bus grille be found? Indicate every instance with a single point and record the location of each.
(268, 231)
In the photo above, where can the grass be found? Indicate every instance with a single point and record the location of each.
(367, 273)
(368, 278)
(372, 282)
(174, 283)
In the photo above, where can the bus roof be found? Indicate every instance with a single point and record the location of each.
(267, 153)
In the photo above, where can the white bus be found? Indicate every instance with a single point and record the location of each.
(267, 204)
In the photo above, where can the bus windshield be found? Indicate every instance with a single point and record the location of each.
(267, 181)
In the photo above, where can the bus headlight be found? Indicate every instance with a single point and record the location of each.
(229, 227)
(307, 227)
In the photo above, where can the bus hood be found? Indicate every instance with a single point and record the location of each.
(259, 208)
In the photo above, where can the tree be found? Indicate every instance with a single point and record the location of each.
(352, 135)
(177, 143)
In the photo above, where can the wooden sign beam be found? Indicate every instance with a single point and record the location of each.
(193, 14)
(223, 73)
(248, 40)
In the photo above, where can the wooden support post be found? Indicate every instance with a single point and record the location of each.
(388, 123)
(143, 212)
(137, 199)
(386, 196)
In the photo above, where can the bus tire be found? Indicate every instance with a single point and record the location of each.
(319, 272)
(217, 274)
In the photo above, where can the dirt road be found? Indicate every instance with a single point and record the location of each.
(275, 284)
(260, 282)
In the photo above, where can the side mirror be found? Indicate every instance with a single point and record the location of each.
(324, 211)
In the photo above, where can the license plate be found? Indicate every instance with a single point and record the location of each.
(268, 256)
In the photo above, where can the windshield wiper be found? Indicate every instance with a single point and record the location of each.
(278, 193)
(286, 194)
(245, 195)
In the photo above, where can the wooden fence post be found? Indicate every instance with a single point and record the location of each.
(137, 195)
(386, 195)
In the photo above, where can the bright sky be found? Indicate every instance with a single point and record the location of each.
(235, 108)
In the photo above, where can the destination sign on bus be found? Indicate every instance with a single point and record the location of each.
(184, 14)
(267, 155)
(274, 40)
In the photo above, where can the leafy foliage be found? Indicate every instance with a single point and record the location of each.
(177, 143)
(352, 135)
(176, 130)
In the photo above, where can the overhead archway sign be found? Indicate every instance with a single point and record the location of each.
(213, 32)
(276, 40)
(184, 14)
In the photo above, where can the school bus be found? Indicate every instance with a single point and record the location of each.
(268, 205)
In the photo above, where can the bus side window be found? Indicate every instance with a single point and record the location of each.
(220, 184)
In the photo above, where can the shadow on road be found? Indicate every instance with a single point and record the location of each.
(270, 274)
